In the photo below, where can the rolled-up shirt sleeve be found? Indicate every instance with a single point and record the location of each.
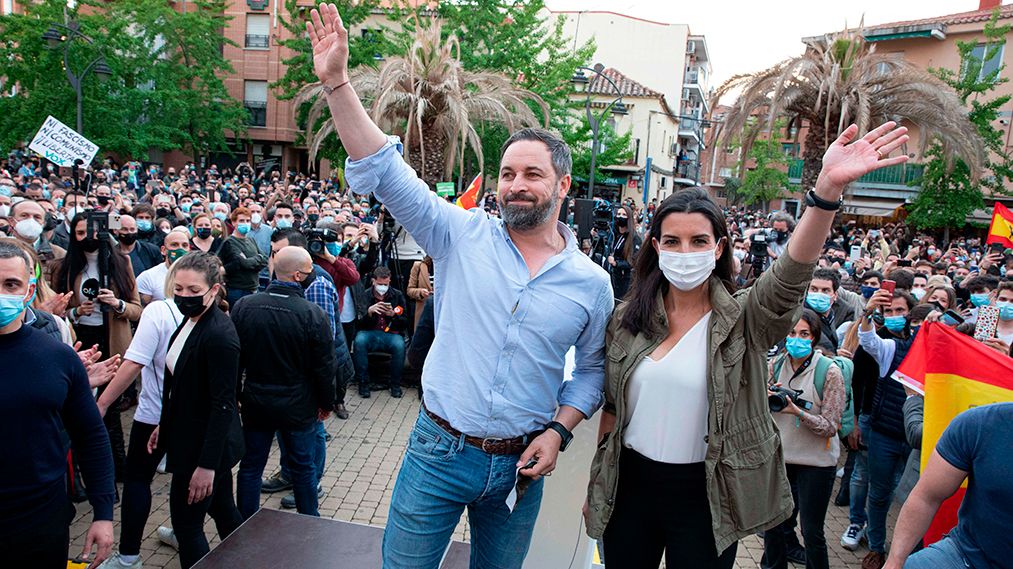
(585, 391)
(431, 220)
(881, 350)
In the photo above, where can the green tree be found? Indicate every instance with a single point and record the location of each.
(950, 191)
(613, 148)
(769, 178)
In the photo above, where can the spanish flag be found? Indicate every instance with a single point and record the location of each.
(955, 373)
(1001, 229)
(469, 199)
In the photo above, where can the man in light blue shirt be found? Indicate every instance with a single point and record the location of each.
(512, 297)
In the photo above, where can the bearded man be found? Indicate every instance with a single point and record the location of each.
(513, 295)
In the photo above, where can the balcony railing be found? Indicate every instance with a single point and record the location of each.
(689, 171)
(692, 77)
(258, 112)
(258, 42)
(898, 175)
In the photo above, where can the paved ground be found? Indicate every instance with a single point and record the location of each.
(363, 458)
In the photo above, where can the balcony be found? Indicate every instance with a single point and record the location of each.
(258, 42)
(258, 112)
(688, 171)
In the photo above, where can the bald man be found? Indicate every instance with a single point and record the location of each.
(288, 357)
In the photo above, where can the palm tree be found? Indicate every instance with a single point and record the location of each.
(840, 81)
(429, 99)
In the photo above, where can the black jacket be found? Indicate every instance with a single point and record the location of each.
(366, 321)
(200, 420)
(288, 357)
(888, 401)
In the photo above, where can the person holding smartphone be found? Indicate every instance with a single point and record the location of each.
(381, 318)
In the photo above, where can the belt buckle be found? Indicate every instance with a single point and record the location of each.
(488, 440)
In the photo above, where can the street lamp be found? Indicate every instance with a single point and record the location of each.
(581, 84)
(65, 34)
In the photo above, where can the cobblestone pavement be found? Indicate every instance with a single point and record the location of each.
(363, 457)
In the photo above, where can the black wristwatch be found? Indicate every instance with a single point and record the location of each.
(812, 200)
(559, 428)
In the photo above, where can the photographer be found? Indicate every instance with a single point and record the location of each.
(362, 247)
(809, 436)
(622, 250)
(381, 318)
(326, 256)
(782, 225)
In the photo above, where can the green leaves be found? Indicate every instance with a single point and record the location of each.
(949, 193)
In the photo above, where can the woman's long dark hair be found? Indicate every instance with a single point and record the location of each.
(631, 232)
(121, 278)
(647, 276)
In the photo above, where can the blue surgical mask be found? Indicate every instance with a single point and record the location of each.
(979, 299)
(5, 191)
(918, 293)
(818, 301)
(895, 323)
(333, 248)
(186, 207)
(220, 215)
(12, 305)
(47, 194)
(243, 228)
(143, 225)
(328, 219)
(868, 291)
(283, 223)
(1005, 310)
(798, 347)
(59, 203)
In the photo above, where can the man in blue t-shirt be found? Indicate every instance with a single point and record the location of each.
(976, 447)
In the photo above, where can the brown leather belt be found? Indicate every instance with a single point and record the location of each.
(515, 445)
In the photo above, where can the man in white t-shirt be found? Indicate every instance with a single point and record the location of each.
(151, 283)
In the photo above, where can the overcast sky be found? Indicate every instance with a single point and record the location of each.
(747, 35)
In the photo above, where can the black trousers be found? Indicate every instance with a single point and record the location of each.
(188, 519)
(349, 329)
(662, 508)
(815, 486)
(90, 336)
(42, 546)
(136, 503)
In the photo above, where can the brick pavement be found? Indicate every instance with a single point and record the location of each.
(363, 457)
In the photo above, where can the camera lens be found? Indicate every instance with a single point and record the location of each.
(777, 401)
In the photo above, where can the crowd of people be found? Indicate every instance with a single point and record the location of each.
(735, 355)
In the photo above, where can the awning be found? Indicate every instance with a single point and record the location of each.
(623, 168)
(875, 207)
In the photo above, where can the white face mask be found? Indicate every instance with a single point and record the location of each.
(686, 271)
(381, 289)
(5, 210)
(739, 254)
(256, 219)
(29, 229)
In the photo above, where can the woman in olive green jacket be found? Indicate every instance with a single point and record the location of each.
(686, 417)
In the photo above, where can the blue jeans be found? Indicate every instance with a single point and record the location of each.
(301, 447)
(440, 476)
(319, 454)
(376, 341)
(233, 296)
(859, 488)
(887, 458)
(943, 554)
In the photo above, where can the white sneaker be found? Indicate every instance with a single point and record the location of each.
(161, 465)
(166, 536)
(853, 536)
(115, 562)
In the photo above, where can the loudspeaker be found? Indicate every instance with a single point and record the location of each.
(582, 210)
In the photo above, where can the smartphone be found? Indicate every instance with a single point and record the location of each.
(903, 262)
(951, 318)
(888, 285)
(988, 319)
(996, 248)
(856, 252)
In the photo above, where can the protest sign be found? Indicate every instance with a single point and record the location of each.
(61, 144)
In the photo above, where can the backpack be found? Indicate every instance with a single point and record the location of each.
(847, 368)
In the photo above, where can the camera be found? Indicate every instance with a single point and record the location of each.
(601, 217)
(318, 238)
(779, 397)
(758, 250)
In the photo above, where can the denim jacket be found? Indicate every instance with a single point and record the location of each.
(747, 486)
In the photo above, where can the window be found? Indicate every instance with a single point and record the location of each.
(375, 37)
(791, 207)
(258, 31)
(255, 101)
(788, 149)
(992, 65)
(8, 7)
(725, 173)
(664, 181)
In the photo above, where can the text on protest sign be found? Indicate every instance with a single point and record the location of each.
(61, 144)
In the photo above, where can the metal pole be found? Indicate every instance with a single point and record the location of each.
(80, 125)
(647, 180)
(594, 154)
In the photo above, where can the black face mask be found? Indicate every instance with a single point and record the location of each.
(89, 245)
(313, 218)
(308, 280)
(127, 238)
(782, 236)
(190, 306)
(621, 223)
(204, 232)
(51, 222)
(103, 200)
(162, 212)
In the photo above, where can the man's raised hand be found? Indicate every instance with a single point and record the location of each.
(330, 45)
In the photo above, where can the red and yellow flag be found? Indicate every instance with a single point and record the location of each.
(1001, 229)
(955, 373)
(469, 199)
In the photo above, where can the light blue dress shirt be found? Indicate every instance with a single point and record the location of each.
(495, 369)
